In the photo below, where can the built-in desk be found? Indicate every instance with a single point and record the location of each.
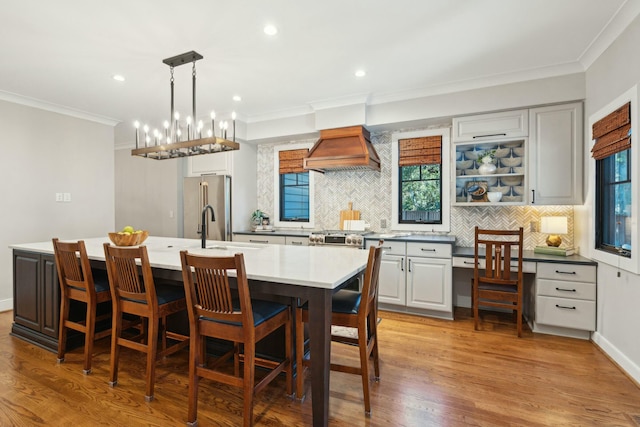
(560, 292)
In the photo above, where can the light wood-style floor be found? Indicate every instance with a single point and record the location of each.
(434, 373)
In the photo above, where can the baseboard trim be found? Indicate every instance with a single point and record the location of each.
(6, 304)
(616, 356)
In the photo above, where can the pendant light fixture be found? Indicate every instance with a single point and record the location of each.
(180, 139)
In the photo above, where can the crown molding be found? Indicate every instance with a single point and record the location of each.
(605, 38)
(56, 108)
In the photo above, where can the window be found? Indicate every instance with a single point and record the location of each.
(293, 187)
(420, 192)
(614, 181)
(613, 203)
(294, 197)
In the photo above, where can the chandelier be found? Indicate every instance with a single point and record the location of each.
(178, 139)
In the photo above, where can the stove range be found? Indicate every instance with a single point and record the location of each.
(348, 238)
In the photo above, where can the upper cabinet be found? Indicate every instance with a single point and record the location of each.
(491, 127)
(535, 157)
(218, 163)
(555, 155)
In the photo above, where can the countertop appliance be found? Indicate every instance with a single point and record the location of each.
(197, 192)
(338, 238)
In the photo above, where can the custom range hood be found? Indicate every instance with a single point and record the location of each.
(342, 149)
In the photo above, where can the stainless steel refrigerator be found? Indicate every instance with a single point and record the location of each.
(197, 192)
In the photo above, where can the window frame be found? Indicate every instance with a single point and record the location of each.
(276, 189)
(445, 201)
(630, 264)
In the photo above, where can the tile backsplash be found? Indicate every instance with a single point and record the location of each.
(370, 192)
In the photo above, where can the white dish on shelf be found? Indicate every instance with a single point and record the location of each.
(494, 196)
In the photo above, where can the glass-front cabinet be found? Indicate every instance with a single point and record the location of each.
(491, 172)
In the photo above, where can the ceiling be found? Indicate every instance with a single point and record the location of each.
(63, 53)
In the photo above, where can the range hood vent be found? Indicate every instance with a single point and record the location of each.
(342, 149)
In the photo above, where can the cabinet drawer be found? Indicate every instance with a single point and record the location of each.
(297, 241)
(389, 248)
(567, 272)
(494, 126)
(564, 289)
(429, 250)
(273, 240)
(464, 262)
(566, 313)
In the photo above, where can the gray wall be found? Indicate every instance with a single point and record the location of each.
(44, 153)
(616, 71)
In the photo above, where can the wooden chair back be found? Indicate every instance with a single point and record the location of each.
(208, 288)
(130, 274)
(500, 248)
(74, 270)
(371, 280)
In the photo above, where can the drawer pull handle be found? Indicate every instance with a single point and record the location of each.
(565, 290)
(427, 250)
(565, 307)
(468, 262)
(565, 272)
(492, 134)
(386, 247)
(296, 243)
(401, 264)
(258, 241)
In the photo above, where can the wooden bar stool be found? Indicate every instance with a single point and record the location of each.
(139, 296)
(354, 310)
(215, 312)
(79, 283)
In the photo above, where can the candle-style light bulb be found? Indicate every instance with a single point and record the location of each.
(155, 136)
(179, 134)
(136, 125)
(210, 133)
(188, 128)
(233, 118)
(200, 125)
(146, 140)
(166, 128)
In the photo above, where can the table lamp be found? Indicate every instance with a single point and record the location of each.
(554, 226)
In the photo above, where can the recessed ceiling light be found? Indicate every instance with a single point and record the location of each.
(360, 73)
(270, 30)
(118, 77)
(237, 98)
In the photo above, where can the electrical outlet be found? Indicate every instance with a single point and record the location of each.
(66, 197)
(383, 223)
(533, 226)
(59, 197)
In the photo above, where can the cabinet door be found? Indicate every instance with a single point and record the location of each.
(391, 281)
(50, 296)
(26, 290)
(492, 127)
(429, 283)
(555, 155)
(218, 163)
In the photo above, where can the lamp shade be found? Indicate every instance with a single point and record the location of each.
(554, 225)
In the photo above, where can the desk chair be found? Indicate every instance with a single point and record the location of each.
(79, 283)
(138, 295)
(498, 286)
(354, 310)
(215, 312)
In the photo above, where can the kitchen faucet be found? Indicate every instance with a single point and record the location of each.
(204, 224)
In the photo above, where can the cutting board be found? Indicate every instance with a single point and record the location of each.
(348, 215)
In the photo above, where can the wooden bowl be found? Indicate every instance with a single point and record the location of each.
(133, 239)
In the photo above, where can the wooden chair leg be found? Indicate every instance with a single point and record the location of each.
(364, 368)
(373, 328)
(62, 335)
(195, 351)
(299, 354)
(152, 350)
(248, 383)
(289, 355)
(89, 335)
(116, 330)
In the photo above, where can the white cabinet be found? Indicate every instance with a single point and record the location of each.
(266, 239)
(416, 277)
(555, 155)
(218, 163)
(492, 127)
(565, 299)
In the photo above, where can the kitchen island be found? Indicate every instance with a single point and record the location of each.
(307, 273)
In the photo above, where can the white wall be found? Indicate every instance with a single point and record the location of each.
(616, 71)
(44, 153)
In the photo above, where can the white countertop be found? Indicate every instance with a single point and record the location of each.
(317, 266)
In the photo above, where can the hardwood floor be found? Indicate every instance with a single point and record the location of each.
(433, 373)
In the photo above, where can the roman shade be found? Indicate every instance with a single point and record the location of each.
(291, 160)
(612, 133)
(426, 150)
